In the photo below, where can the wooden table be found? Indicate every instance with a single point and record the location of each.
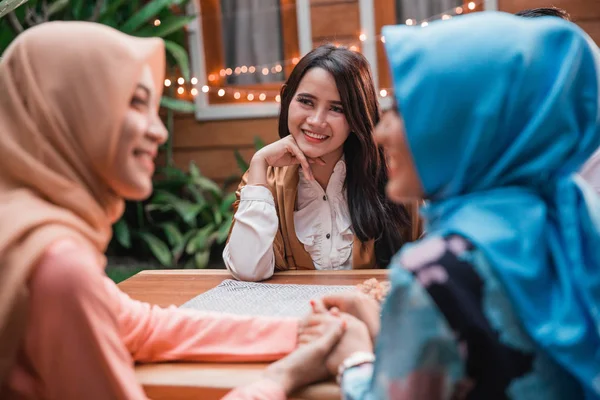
(206, 381)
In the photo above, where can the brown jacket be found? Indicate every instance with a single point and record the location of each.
(289, 251)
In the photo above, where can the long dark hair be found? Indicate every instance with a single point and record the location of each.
(373, 215)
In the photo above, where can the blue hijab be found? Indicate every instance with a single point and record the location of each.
(500, 112)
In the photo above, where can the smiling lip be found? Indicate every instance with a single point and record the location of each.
(147, 159)
(314, 137)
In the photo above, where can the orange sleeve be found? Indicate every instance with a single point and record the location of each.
(152, 333)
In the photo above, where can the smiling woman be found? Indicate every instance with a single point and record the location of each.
(315, 199)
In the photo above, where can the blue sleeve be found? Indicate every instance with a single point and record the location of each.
(356, 382)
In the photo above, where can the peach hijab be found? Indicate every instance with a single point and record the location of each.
(64, 91)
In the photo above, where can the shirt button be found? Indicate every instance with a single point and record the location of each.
(325, 198)
(328, 236)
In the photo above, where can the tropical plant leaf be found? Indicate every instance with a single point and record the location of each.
(187, 210)
(122, 233)
(147, 12)
(181, 106)
(223, 232)
(178, 250)
(173, 234)
(208, 185)
(110, 11)
(57, 6)
(158, 248)
(180, 56)
(201, 259)
(258, 143)
(200, 241)
(242, 164)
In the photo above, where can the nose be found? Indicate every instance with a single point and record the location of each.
(158, 132)
(318, 118)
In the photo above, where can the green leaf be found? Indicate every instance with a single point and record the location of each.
(57, 6)
(208, 185)
(149, 11)
(167, 26)
(194, 170)
(223, 232)
(181, 106)
(258, 143)
(200, 241)
(110, 12)
(181, 58)
(201, 259)
(122, 233)
(187, 210)
(227, 203)
(158, 248)
(178, 250)
(242, 164)
(77, 9)
(174, 236)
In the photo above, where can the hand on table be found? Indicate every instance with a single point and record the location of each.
(317, 337)
(357, 304)
(355, 338)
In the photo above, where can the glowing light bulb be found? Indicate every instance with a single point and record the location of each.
(362, 37)
(167, 82)
(278, 68)
(471, 5)
(244, 69)
(383, 39)
(446, 17)
(229, 71)
(424, 24)
(205, 89)
(383, 93)
(295, 60)
(265, 71)
(157, 22)
(211, 78)
(194, 80)
(252, 69)
(221, 92)
(180, 90)
(222, 72)
(194, 91)
(459, 10)
(238, 70)
(410, 22)
(353, 48)
(181, 81)
(237, 95)
(250, 97)
(278, 98)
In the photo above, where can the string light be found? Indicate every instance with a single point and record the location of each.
(383, 39)
(229, 71)
(180, 90)
(167, 82)
(265, 71)
(278, 98)
(362, 37)
(262, 97)
(295, 60)
(424, 24)
(278, 68)
(383, 93)
(459, 10)
(157, 22)
(205, 89)
(211, 78)
(221, 92)
(237, 95)
(446, 17)
(244, 69)
(252, 69)
(471, 5)
(410, 22)
(222, 73)
(238, 70)
(250, 97)
(194, 91)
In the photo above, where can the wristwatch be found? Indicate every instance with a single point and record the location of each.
(354, 360)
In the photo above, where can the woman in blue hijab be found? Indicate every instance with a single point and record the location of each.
(495, 114)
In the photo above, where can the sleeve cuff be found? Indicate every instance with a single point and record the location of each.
(257, 193)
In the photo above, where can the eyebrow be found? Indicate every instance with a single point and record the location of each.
(336, 102)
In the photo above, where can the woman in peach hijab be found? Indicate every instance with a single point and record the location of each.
(79, 133)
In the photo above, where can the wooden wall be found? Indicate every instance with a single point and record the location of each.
(211, 144)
